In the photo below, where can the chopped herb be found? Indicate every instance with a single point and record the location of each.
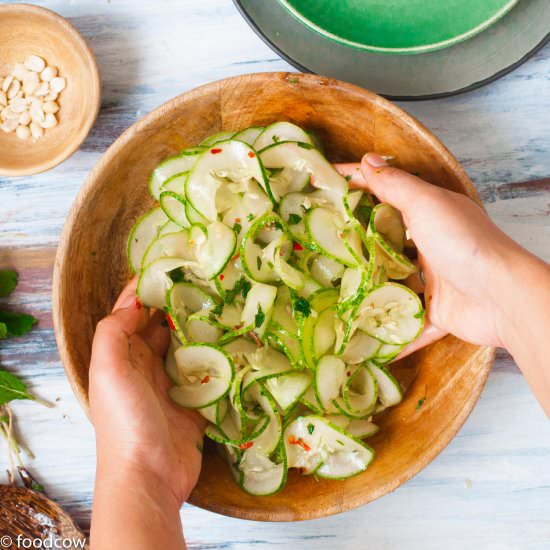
(246, 286)
(176, 275)
(423, 399)
(8, 281)
(259, 318)
(199, 447)
(250, 217)
(217, 309)
(310, 428)
(258, 263)
(293, 80)
(301, 306)
(16, 324)
(12, 387)
(347, 178)
(270, 265)
(305, 145)
(294, 219)
(275, 139)
(420, 314)
(341, 442)
(35, 486)
(237, 228)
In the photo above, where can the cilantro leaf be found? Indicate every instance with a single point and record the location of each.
(301, 306)
(246, 286)
(258, 263)
(8, 281)
(250, 217)
(293, 219)
(310, 428)
(259, 318)
(216, 311)
(17, 324)
(11, 387)
(237, 227)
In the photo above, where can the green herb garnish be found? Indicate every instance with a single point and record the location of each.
(237, 227)
(246, 286)
(301, 306)
(16, 324)
(8, 281)
(347, 178)
(259, 318)
(310, 428)
(294, 219)
(250, 217)
(276, 139)
(258, 263)
(12, 387)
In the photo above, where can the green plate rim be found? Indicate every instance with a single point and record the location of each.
(403, 51)
(396, 97)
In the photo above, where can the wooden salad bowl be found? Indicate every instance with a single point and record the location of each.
(91, 268)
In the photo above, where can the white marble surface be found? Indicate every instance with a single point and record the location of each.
(491, 487)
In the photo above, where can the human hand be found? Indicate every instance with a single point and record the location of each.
(463, 254)
(138, 428)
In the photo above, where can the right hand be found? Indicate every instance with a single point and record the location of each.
(463, 254)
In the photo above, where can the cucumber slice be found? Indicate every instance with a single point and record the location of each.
(352, 288)
(175, 184)
(173, 206)
(169, 227)
(216, 138)
(387, 224)
(323, 299)
(201, 328)
(361, 347)
(302, 157)
(327, 271)
(269, 439)
(154, 281)
(206, 373)
(216, 412)
(361, 428)
(290, 276)
(266, 363)
(387, 352)
(281, 131)
(171, 244)
(260, 475)
(258, 307)
(330, 376)
(293, 210)
(315, 445)
(142, 234)
(392, 313)
(172, 166)
(248, 135)
(287, 389)
(229, 160)
(311, 286)
(324, 333)
(325, 228)
(239, 350)
(282, 312)
(215, 252)
(389, 390)
(309, 399)
(354, 198)
(360, 392)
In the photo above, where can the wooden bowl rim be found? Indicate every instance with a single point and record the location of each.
(141, 125)
(94, 86)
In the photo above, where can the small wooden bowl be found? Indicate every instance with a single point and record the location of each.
(91, 269)
(26, 30)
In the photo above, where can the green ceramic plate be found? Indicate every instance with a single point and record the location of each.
(462, 67)
(398, 26)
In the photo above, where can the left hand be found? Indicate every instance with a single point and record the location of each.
(138, 427)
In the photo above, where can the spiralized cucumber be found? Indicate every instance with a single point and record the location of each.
(279, 290)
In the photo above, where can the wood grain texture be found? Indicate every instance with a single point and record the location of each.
(30, 30)
(491, 487)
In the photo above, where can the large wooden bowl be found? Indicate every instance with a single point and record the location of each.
(91, 269)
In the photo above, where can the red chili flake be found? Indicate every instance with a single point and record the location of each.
(297, 246)
(236, 256)
(215, 151)
(138, 304)
(302, 470)
(221, 277)
(254, 337)
(205, 380)
(251, 154)
(247, 445)
(340, 235)
(170, 322)
(295, 441)
(348, 373)
(312, 180)
(237, 220)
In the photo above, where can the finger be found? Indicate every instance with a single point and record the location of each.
(128, 294)
(156, 334)
(429, 335)
(391, 185)
(352, 172)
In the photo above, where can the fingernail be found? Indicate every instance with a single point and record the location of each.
(129, 301)
(374, 160)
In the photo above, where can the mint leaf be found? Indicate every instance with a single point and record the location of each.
(8, 281)
(17, 324)
(11, 387)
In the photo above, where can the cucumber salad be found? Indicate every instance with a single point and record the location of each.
(279, 286)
